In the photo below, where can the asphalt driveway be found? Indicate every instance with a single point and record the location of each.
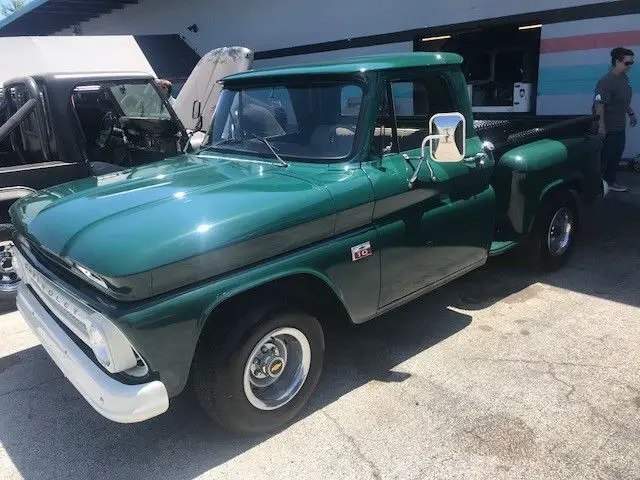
(503, 374)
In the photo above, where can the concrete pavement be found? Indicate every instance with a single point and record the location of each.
(503, 374)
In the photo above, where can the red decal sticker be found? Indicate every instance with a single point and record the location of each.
(361, 251)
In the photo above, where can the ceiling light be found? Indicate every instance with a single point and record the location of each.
(441, 37)
(530, 27)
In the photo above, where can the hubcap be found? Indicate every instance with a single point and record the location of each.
(276, 368)
(8, 277)
(560, 232)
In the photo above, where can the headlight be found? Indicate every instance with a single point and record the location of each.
(98, 343)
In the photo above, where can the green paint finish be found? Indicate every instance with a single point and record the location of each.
(498, 248)
(434, 229)
(380, 62)
(188, 233)
(524, 175)
(165, 330)
(142, 212)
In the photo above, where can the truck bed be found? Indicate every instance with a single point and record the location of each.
(507, 131)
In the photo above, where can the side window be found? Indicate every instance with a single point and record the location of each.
(414, 102)
(278, 101)
(350, 100)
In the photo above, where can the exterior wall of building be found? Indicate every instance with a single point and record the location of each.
(573, 54)
(573, 57)
(277, 24)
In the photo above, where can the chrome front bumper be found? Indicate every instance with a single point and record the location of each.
(112, 399)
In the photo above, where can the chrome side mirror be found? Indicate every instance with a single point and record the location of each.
(447, 135)
(450, 128)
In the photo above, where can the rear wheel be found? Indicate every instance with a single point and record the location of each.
(9, 279)
(258, 375)
(553, 236)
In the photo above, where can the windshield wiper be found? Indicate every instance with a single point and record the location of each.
(266, 142)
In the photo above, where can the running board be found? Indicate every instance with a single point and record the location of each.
(498, 248)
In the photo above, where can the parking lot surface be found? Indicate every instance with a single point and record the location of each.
(503, 374)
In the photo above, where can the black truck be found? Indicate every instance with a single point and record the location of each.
(61, 127)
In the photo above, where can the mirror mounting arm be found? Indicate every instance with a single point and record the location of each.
(414, 177)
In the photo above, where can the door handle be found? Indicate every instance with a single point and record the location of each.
(478, 159)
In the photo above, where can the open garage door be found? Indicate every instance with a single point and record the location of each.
(500, 64)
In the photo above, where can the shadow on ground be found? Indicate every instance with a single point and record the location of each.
(48, 431)
(605, 264)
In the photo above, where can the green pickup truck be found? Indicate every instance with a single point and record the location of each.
(323, 192)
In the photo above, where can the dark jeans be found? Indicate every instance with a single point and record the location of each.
(612, 150)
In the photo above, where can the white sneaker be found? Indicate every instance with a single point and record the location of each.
(616, 187)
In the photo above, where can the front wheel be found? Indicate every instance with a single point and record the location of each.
(260, 375)
(553, 236)
(9, 279)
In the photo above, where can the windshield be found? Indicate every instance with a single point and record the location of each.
(139, 100)
(300, 122)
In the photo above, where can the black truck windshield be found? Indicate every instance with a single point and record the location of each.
(306, 122)
(139, 100)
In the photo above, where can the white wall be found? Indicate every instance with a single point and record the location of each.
(265, 25)
(29, 55)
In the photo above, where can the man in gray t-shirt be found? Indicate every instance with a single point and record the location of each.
(612, 104)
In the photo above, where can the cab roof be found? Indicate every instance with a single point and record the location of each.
(380, 62)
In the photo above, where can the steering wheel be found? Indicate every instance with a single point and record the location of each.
(107, 126)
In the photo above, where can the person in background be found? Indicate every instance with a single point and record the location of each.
(612, 104)
(166, 88)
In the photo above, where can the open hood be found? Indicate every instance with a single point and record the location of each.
(202, 88)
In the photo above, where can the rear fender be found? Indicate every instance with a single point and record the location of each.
(529, 173)
(575, 184)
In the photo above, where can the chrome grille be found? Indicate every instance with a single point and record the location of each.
(62, 304)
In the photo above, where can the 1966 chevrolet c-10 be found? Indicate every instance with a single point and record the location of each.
(322, 192)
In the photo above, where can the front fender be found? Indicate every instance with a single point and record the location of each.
(165, 330)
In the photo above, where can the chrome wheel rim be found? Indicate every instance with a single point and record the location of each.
(277, 368)
(8, 276)
(560, 232)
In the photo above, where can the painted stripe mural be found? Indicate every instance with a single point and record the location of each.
(572, 61)
(577, 79)
(589, 41)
